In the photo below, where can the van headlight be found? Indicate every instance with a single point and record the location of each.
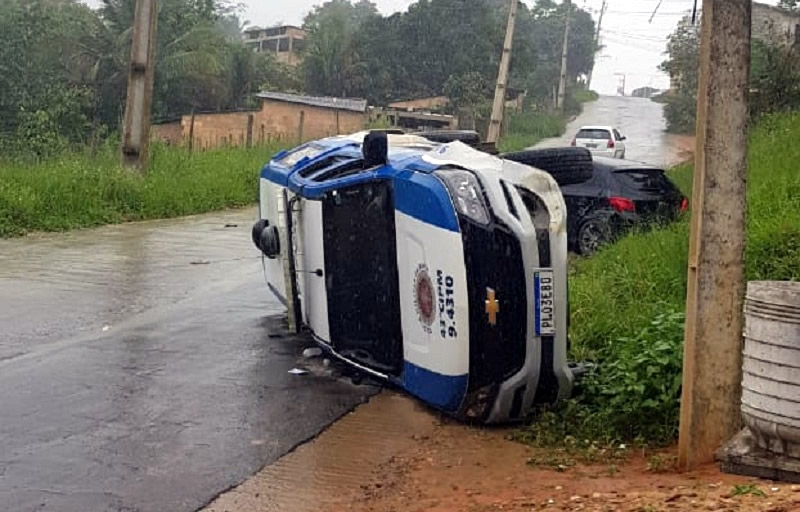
(466, 193)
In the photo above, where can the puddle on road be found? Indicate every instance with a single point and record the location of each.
(330, 469)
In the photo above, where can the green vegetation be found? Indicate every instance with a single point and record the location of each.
(527, 128)
(628, 300)
(59, 97)
(585, 95)
(774, 77)
(441, 46)
(81, 190)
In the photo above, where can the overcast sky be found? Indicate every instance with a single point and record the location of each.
(633, 46)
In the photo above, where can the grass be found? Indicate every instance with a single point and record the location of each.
(79, 190)
(628, 300)
(527, 128)
(585, 95)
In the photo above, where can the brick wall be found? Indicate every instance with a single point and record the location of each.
(169, 133)
(276, 121)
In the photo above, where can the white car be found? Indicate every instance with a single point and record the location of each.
(601, 141)
(434, 267)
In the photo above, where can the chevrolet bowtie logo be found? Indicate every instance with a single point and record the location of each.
(492, 306)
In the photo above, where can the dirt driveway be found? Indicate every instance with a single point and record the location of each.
(393, 455)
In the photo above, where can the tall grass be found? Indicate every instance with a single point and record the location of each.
(627, 301)
(79, 190)
(527, 128)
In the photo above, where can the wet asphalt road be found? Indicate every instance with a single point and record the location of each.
(137, 370)
(639, 119)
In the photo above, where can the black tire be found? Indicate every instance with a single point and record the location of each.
(567, 166)
(468, 137)
(258, 227)
(593, 234)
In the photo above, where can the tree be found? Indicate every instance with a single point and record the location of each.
(792, 5)
(683, 67)
(331, 63)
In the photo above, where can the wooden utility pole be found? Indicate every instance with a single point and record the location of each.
(712, 362)
(596, 42)
(498, 107)
(138, 106)
(562, 83)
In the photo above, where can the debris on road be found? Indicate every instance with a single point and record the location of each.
(312, 352)
(298, 371)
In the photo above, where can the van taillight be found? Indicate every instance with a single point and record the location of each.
(622, 204)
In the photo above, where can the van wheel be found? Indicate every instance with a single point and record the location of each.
(567, 166)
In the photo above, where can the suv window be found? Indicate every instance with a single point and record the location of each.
(594, 134)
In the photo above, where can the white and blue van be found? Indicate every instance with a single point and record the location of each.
(434, 267)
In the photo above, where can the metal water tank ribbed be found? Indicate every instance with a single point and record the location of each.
(771, 379)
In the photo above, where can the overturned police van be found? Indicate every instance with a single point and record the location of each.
(431, 266)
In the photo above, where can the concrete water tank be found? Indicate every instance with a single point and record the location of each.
(771, 379)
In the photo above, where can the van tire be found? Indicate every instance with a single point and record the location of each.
(567, 166)
(468, 137)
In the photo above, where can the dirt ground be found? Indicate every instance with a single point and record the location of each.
(462, 469)
(393, 455)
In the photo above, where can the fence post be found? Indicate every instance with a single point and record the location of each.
(300, 127)
(191, 131)
(250, 118)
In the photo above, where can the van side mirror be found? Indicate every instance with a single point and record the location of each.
(375, 149)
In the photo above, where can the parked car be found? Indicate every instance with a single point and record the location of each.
(621, 194)
(434, 267)
(601, 141)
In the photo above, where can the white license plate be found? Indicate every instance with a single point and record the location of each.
(544, 296)
(591, 145)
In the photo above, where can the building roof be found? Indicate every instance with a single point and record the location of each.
(256, 28)
(353, 104)
(776, 8)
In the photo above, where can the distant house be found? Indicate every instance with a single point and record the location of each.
(432, 104)
(286, 42)
(775, 25)
(771, 25)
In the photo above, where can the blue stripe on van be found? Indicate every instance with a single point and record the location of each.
(425, 198)
(442, 391)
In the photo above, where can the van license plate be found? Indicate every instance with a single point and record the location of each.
(544, 295)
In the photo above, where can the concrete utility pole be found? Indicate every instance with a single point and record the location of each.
(498, 108)
(596, 42)
(712, 361)
(624, 80)
(138, 106)
(562, 84)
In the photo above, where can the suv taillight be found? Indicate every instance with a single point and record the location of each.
(622, 204)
